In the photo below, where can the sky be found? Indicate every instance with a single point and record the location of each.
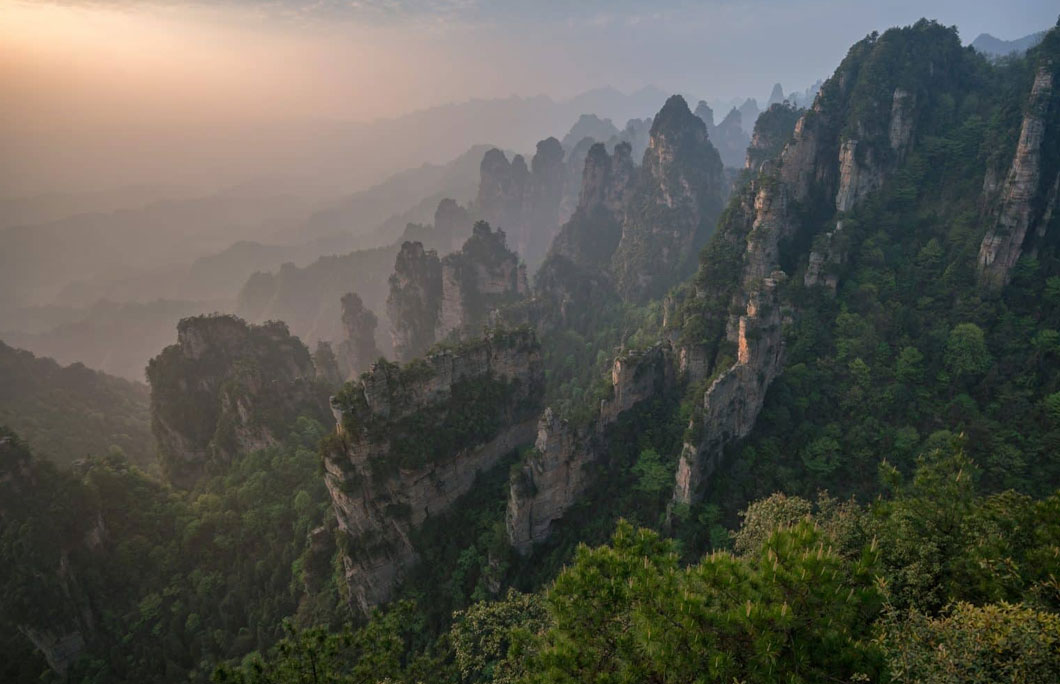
(98, 68)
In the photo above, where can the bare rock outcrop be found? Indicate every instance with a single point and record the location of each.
(414, 303)
(527, 203)
(832, 153)
(432, 299)
(358, 350)
(675, 206)
(591, 236)
(556, 473)
(410, 441)
(1018, 209)
(771, 132)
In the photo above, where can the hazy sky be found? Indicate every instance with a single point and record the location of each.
(100, 67)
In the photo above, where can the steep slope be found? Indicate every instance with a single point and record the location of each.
(70, 412)
(227, 388)
(355, 353)
(674, 207)
(411, 440)
(1028, 195)
(556, 473)
(856, 134)
(432, 299)
(884, 146)
(899, 125)
(771, 132)
(524, 202)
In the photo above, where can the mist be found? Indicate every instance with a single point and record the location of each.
(103, 94)
(155, 155)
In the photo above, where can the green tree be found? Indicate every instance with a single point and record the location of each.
(973, 645)
(966, 353)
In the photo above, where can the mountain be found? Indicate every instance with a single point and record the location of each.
(226, 388)
(674, 206)
(996, 47)
(38, 263)
(434, 299)
(71, 412)
(799, 425)
(728, 137)
(362, 212)
(117, 338)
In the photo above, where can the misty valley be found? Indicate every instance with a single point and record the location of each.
(629, 385)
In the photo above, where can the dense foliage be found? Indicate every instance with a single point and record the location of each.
(72, 412)
(813, 591)
(910, 351)
(160, 584)
(893, 516)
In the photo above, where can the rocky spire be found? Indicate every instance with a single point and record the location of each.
(432, 299)
(1018, 208)
(414, 303)
(704, 112)
(452, 225)
(678, 198)
(776, 96)
(358, 350)
(525, 203)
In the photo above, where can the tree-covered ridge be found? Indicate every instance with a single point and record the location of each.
(153, 583)
(910, 349)
(772, 130)
(71, 412)
(928, 582)
(888, 510)
(227, 387)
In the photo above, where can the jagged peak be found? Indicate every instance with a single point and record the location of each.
(675, 116)
(549, 154)
(493, 160)
(704, 112)
(519, 165)
(733, 119)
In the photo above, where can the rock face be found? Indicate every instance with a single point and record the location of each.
(728, 137)
(556, 473)
(410, 441)
(575, 279)
(821, 171)
(862, 171)
(358, 350)
(525, 203)
(674, 207)
(415, 300)
(326, 365)
(592, 234)
(226, 388)
(452, 225)
(1020, 206)
(432, 299)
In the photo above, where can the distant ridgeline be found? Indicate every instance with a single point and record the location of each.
(70, 412)
(868, 322)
